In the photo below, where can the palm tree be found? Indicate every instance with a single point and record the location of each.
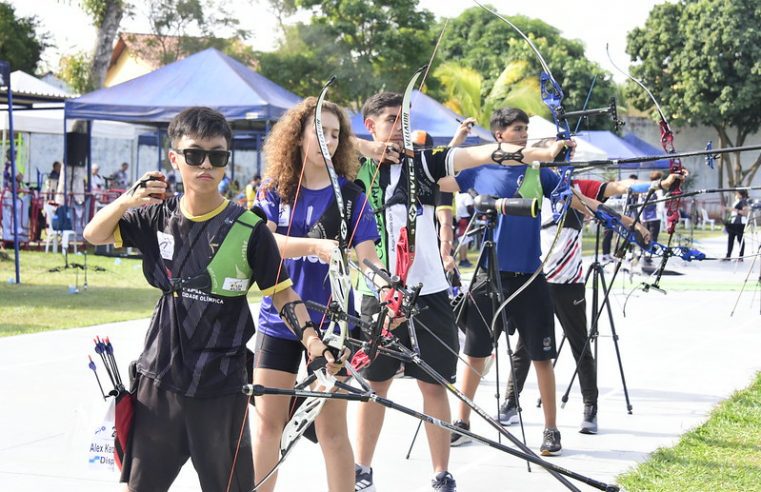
(514, 87)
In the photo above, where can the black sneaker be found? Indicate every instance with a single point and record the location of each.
(551, 443)
(363, 480)
(459, 439)
(589, 423)
(508, 413)
(444, 482)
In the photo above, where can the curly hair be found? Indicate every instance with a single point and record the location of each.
(282, 150)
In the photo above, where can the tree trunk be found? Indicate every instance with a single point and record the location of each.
(751, 172)
(104, 42)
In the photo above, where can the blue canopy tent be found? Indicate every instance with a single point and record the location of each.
(208, 78)
(617, 147)
(428, 114)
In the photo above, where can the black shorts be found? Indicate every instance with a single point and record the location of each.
(438, 318)
(279, 354)
(169, 428)
(531, 313)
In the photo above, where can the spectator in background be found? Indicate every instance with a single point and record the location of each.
(421, 139)
(51, 183)
(97, 185)
(251, 188)
(7, 175)
(121, 177)
(736, 223)
(97, 182)
(224, 186)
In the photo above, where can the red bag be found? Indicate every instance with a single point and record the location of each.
(124, 416)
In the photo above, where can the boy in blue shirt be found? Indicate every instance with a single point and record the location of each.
(518, 253)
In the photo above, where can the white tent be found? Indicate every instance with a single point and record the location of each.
(51, 120)
(28, 84)
(540, 128)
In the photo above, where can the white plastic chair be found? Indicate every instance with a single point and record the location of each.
(706, 219)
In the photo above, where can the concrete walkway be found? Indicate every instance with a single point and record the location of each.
(681, 354)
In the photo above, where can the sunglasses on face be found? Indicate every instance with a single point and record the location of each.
(195, 157)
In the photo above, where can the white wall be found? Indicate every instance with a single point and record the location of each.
(690, 139)
(108, 153)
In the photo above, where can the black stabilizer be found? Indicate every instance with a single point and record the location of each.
(520, 207)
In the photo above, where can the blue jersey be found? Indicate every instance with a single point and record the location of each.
(308, 273)
(518, 244)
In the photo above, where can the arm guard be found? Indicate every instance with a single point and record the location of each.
(288, 314)
(499, 156)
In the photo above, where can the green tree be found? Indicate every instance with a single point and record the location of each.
(368, 45)
(75, 70)
(509, 69)
(463, 87)
(282, 10)
(294, 64)
(702, 61)
(181, 27)
(21, 41)
(194, 25)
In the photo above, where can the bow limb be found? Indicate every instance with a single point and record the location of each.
(552, 96)
(561, 196)
(675, 167)
(407, 136)
(405, 246)
(338, 270)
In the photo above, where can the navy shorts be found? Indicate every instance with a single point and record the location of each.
(436, 318)
(169, 428)
(531, 313)
(279, 354)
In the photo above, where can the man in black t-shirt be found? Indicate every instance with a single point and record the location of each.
(203, 253)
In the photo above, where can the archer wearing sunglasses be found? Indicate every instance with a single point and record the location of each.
(197, 156)
(204, 253)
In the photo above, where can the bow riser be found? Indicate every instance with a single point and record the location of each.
(412, 189)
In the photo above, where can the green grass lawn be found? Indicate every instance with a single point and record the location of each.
(722, 454)
(116, 291)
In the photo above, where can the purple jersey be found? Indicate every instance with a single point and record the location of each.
(308, 273)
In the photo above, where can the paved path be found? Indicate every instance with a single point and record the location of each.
(681, 355)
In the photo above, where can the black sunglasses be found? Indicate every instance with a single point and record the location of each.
(195, 157)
